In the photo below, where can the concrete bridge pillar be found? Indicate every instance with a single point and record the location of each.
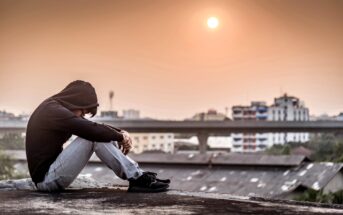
(202, 138)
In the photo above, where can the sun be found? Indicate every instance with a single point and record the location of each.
(212, 22)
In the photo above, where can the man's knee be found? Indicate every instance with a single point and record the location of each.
(84, 143)
(99, 145)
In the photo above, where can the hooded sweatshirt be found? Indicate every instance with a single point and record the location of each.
(53, 123)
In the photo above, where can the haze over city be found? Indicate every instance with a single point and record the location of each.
(163, 58)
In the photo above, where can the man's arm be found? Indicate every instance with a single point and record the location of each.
(126, 144)
(89, 130)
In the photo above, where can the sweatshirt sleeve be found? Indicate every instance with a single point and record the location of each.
(90, 130)
(60, 118)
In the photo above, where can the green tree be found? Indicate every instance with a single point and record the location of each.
(277, 149)
(13, 141)
(327, 147)
(6, 167)
(318, 196)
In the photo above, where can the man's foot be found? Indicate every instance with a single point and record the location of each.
(147, 184)
(154, 174)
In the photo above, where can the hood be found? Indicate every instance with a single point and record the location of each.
(77, 95)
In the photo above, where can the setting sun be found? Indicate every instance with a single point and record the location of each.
(212, 22)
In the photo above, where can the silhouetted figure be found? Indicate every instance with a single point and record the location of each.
(55, 120)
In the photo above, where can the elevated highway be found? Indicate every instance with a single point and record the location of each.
(203, 129)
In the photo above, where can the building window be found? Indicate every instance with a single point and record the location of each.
(161, 137)
(145, 138)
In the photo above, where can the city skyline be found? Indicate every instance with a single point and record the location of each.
(161, 58)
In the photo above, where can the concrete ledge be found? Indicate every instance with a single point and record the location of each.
(92, 199)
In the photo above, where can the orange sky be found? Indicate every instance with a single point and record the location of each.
(160, 57)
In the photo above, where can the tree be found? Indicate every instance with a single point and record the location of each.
(327, 147)
(318, 196)
(13, 141)
(6, 167)
(278, 149)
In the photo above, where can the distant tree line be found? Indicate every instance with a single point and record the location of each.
(324, 147)
(318, 196)
(6, 167)
(12, 141)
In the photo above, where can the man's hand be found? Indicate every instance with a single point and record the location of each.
(126, 145)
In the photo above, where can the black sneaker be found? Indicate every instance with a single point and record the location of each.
(147, 184)
(154, 174)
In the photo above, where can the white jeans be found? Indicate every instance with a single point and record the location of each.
(74, 158)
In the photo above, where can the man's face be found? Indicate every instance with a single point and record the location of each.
(80, 112)
(84, 112)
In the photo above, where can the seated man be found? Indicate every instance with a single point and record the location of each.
(58, 118)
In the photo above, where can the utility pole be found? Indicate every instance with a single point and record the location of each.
(111, 95)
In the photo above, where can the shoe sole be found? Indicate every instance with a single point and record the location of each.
(147, 190)
(166, 181)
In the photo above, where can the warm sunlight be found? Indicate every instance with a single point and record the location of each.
(212, 22)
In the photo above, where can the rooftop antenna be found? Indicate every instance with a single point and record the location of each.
(111, 95)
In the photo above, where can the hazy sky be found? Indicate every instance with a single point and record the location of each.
(161, 58)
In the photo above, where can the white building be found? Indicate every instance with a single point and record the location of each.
(285, 108)
(210, 115)
(288, 108)
(340, 117)
(131, 114)
(152, 142)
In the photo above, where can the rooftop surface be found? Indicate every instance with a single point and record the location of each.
(118, 201)
(20, 197)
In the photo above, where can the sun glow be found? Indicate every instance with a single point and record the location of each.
(212, 22)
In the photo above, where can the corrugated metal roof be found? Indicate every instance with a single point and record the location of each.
(260, 175)
(236, 180)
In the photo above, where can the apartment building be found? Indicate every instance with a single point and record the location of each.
(284, 108)
(152, 142)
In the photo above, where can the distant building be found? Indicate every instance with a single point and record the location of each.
(210, 115)
(223, 143)
(256, 111)
(288, 108)
(7, 116)
(250, 142)
(340, 117)
(152, 142)
(131, 114)
(323, 117)
(142, 142)
(109, 114)
(285, 108)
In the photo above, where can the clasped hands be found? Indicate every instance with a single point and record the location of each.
(126, 144)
